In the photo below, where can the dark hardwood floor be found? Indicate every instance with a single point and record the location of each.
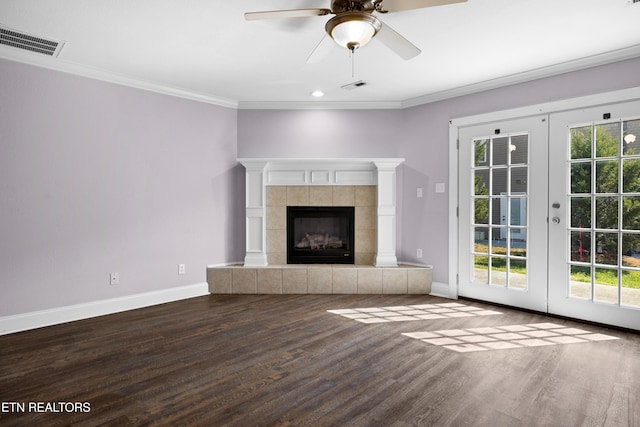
(285, 361)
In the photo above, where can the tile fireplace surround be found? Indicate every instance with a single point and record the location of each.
(369, 185)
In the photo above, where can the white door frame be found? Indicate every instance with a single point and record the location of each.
(450, 289)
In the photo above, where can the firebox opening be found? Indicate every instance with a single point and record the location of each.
(320, 235)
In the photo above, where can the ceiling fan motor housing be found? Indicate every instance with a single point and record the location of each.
(340, 6)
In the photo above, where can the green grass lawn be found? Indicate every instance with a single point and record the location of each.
(630, 279)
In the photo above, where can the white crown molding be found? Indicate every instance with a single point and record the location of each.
(538, 73)
(61, 65)
(55, 316)
(320, 105)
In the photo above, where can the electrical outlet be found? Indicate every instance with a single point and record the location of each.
(419, 253)
(114, 278)
(182, 268)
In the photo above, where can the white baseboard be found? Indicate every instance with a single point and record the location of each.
(414, 264)
(55, 316)
(226, 264)
(439, 289)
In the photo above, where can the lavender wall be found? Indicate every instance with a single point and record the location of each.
(98, 178)
(421, 135)
(319, 133)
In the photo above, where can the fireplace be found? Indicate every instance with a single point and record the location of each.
(320, 235)
(321, 182)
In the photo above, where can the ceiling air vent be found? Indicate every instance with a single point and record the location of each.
(28, 42)
(353, 85)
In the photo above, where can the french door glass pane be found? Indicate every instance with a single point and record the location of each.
(631, 175)
(580, 282)
(500, 151)
(580, 178)
(481, 182)
(500, 204)
(518, 273)
(608, 140)
(607, 176)
(481, 269)
(607, 248)
(606, 286)
(518, 211)
(604, 223)
(498, 240)
(498, 210)
(581, 246)
(631, 250)
(518, 242)
(607, 212)
(480, 152)
(519, 180)
(631, 212)
(630, 291)
(631, 137)
(498, 271)
(581, 142)
(481, 211)
(481, 244)
(581, 212)
(499, 183)
(519, 148)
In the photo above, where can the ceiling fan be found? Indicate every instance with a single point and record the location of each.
(355, 24)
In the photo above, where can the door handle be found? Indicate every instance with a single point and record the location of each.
(555, 220)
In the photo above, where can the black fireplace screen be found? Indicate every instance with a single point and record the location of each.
(320, 235)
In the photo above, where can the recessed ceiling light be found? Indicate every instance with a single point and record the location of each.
(317, 93)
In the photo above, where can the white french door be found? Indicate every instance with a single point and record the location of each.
(502, 227)
(594, 231)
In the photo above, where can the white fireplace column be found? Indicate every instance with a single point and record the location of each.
(263, 172)
(256, 254)
(386, 253)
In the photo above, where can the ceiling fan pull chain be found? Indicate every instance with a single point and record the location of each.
(353, 63)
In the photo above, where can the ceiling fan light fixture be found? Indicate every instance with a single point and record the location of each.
(353, 29)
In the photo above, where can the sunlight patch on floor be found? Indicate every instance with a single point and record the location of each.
(507, 337)
(405, 313)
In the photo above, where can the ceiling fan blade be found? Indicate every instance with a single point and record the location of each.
(398, 44)
(321, 50)
(282, 14)
(399, 5)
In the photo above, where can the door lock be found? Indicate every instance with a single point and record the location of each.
(555, 220)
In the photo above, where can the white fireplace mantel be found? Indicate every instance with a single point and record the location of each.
(261, 172)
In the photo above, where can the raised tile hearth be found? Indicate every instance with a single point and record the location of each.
(319, 279)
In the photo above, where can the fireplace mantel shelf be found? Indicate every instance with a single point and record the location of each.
(263, 172)
(345, 171)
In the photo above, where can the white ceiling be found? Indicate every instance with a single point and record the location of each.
(206, 50)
